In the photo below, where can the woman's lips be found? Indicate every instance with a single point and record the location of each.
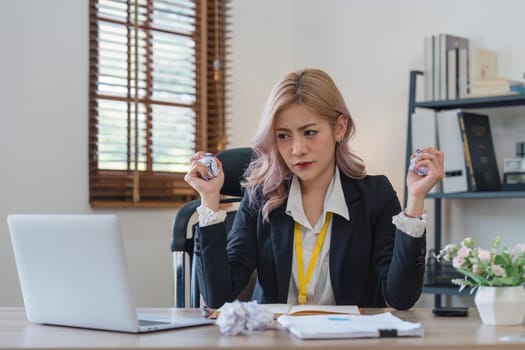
(302, 165)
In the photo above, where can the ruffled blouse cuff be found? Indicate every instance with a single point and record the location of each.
(209, 217)
(414, 227)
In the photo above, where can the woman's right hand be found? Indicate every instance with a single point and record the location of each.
(209, 190)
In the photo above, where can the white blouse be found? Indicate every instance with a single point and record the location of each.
(319, 289)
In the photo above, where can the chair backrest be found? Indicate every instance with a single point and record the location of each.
(186, 290)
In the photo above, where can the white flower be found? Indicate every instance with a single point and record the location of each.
(498, 270)
(479, 268)
(468, 242)
(447, 252)
(484, 255)
(460, 282)
(458, 261)
(463, 252)
(449, 247)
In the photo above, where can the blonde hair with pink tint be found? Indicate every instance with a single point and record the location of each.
(268, 172)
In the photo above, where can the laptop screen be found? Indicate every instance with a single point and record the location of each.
(72, 270)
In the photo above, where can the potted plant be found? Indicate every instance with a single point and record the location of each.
(497, 277)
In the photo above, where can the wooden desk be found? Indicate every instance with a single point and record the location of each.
(440, 333)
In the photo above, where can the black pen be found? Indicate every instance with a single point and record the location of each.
(206, 311)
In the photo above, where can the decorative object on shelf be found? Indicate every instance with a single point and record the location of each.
(514, 170)
(498, 277)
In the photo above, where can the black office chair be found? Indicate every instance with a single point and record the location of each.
(234, 162)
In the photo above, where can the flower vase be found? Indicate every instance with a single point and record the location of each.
(501, 305)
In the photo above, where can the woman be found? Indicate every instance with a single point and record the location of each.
(314, 225)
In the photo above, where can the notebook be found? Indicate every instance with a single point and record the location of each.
(72, 271)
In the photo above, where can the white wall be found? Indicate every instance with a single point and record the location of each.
(368, 46)
(44, 103)
(44, 99)
(261, 52)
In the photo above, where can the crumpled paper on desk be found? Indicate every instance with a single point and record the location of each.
(239, 317)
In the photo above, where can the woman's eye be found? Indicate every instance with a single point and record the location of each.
(310, 133)
(282, 136)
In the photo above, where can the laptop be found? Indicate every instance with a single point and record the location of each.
(73, 272)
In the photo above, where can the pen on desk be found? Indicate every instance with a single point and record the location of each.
(206, 311)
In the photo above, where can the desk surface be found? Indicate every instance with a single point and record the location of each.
(440, 333)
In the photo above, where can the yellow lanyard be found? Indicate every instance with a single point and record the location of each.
(303, 280)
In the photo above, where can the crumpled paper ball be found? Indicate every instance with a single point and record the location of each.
(239, 317)
(211, 163)
(423, 170)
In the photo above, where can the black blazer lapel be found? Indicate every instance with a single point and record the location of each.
(281, 231)
(343, 231)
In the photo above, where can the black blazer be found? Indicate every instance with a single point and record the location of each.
(371, 262)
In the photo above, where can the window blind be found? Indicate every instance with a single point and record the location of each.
(157, 94)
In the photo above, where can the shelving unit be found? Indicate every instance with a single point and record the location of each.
(470, 103)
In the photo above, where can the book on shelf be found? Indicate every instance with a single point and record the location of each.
(457, 73)
(498, 82)
(451, 144)
(428, 72)
(480, 158)
(449, 64)
(484, 64)
(495, 87)
(452, 74)
(446, 66)
(349, 326)
(436, 63)
(463, 74)
(424, 133)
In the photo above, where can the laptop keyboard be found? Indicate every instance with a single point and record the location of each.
(151, 323)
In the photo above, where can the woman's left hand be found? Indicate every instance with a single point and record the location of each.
(418, 186)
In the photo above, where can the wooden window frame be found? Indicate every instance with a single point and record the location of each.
(148, 188)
